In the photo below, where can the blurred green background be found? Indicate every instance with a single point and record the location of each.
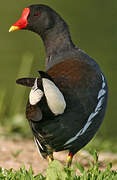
(93, 26)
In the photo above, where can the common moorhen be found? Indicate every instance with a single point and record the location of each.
(67, 103)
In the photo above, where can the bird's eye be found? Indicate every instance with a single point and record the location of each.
(36, 14)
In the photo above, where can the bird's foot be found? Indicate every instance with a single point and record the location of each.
(69, 160)
(50, 158)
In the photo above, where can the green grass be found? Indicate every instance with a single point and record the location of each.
(56, 171)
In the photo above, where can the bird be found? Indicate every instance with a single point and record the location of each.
(67, 103)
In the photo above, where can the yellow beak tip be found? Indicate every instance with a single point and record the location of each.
(13, 28)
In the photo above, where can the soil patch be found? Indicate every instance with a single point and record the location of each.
(13, 154)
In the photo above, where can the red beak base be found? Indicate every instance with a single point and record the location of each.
(22, 22)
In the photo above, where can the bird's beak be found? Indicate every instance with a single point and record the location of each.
(22, 22)
(13, 28)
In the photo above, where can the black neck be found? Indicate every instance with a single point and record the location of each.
(57, 40)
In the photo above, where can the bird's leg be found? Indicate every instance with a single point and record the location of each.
(50, 158)
(69, 159)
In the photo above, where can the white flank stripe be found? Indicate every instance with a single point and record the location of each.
(103, 85)
(93, 114)
(38, 145)
(101, 93)
(98, 107)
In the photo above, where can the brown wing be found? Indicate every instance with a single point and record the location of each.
(76, 79)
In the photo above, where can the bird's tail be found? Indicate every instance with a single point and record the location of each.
(29, 82)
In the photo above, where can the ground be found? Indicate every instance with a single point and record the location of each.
(13, 154)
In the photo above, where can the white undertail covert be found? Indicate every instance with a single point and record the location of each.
(55, 98)
(35, 94)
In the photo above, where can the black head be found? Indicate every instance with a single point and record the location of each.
(49, 25)
(39, 19)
